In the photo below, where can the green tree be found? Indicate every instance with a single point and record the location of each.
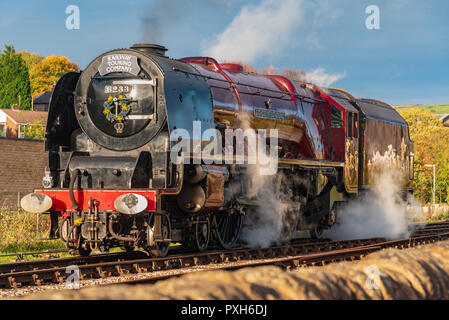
(34, 131)
(15, 87)
(47, 72)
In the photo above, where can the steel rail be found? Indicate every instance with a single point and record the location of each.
(11, 267)
(101, 266)
(37, 272)
(304, 245)
(314, 259)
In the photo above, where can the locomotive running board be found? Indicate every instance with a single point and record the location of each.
(312, 163)
(244, 160)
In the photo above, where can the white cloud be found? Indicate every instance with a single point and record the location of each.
(313, 42)
(324, 12)
(262, 30)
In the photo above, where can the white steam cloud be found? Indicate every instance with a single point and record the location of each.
(380, 212)
(258, 30)
(163, 17)
(265, 223)
(319, 77)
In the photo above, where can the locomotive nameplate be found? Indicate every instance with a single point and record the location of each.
(119, 63)
(269, 114)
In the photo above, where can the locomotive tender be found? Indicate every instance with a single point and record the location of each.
(110, 180)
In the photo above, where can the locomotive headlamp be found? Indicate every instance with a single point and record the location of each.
(130, 203)
(36, 203)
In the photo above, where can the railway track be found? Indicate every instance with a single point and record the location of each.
(292, 255)
(316, 259)
(39, 272)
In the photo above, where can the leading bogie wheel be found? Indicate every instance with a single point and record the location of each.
(156, 247)
(84, 251)
(64, 229)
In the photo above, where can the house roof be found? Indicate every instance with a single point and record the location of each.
(42, 98)
(25, 116)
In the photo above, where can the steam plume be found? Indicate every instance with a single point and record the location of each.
(258, 30)
(319, 77)
(156, 17)
(381, 212)
(163, 15)
(264, 224)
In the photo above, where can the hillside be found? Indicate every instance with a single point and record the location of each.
(434, 108)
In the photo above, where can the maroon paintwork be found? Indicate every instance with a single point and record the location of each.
(337, 136)
(305, 133)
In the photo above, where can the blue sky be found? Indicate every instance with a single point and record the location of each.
(406, 61)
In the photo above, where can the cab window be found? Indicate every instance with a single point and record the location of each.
(336, 117)
(356, 125)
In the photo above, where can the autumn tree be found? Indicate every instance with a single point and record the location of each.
(246, 68)
(295, 75)
(420, 121)
(270, 70)
(31, 59)
(15, 85)
(431, 147)
(47, 72)
(34, 131)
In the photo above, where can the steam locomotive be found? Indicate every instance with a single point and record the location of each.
(111, 180)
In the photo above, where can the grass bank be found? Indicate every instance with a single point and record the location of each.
(18, 233)
(436, 109)
(439, 218)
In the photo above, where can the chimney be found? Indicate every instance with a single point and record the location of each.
(15, 107)
(150, 48)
